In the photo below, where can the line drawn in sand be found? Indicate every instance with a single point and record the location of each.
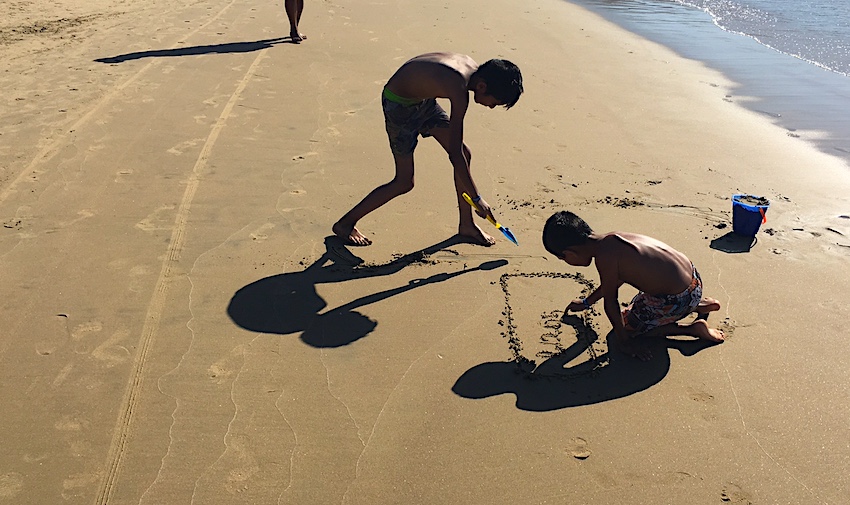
(551, 343)
(583, 372)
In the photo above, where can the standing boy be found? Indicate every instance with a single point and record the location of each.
(669, 284)
(411, 109)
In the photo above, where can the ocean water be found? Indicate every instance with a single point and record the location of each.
(816, 31)
(789, 58)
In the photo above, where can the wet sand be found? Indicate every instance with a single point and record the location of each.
(180, 328)
(808, 101)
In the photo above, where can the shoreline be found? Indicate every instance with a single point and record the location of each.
(808, 101)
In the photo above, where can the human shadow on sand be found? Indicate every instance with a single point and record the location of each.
(229, 47)
(288, 303)
(553, 386)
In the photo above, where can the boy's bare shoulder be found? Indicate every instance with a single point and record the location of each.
(616, 240)
(642, 250)
(615, 246)
(631, 241)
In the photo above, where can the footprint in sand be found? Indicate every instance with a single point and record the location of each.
(118, 264)
(62, 375)
(122, 174)
(732, 493)
(12, 224)
(110, 351)
(80, 332)
(22, 215)
(699, 396)
(138, 275)
(577, 448)
(302, 156)
(29, 458)
(223, 369)
(184, 146)
(83, 214)
(542, 188)
(79, 448)
(261, 233)
(77, 485)
(237, 479)
(70, 423)
(11, 484)
(214, 101)
(676, 478)
(727, 326)
(162, 215)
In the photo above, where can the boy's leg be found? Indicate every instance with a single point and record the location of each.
(466, 221)
(646, 311)
(699, 329)
(293, 13)
(706, 305)
(402, 183)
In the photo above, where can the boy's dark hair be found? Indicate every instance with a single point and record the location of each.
(503, 79)
(564, 230)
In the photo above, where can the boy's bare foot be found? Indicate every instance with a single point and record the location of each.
(475, 235)
(296, 37)
(350, 235)
(700, 329)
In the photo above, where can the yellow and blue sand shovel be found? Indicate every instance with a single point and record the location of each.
(505, 230)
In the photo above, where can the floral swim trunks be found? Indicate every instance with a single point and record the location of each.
(407, 119)
(646, 312)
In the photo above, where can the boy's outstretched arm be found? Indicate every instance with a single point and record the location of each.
(609, 278)
(460, 164)
(580, 304)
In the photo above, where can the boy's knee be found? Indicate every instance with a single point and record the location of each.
(467, 153)
(403, 186)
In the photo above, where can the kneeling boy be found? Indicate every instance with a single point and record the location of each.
(669, 284)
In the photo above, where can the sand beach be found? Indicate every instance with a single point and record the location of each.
(179, 326)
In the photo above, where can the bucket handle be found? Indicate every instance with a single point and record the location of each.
(763, 216)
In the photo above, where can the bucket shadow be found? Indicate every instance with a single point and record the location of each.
(230, 47)
(288, 303)
(733, 243)
(553, 385)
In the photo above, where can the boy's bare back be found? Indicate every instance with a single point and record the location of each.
(433, 75)
(644, 262)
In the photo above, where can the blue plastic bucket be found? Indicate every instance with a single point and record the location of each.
(746, 216)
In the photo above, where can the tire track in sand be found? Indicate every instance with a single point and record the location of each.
(124, 423)
(49, 151)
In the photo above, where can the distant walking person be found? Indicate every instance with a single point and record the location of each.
(293, 12)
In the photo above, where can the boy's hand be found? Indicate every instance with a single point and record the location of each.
(577, 305)
(482, 208)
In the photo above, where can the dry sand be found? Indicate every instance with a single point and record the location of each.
(177, 329)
